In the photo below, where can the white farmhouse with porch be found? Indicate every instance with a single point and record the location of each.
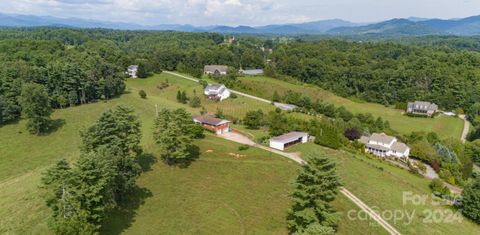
(215, 69)
(289, 139)
(217, 92)
(383, 145)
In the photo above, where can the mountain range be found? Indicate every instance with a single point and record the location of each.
(413, 26)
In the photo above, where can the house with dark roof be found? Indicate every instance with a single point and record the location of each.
(215, 69)
(383, 145)
(422, 108)
(217, 92)
(284, 141)
(209, 122)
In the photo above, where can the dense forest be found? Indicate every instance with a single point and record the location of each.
(385, 73)
(81, 66)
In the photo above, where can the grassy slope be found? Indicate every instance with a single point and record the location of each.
(219, 193)
(383, 189)
(443, 125)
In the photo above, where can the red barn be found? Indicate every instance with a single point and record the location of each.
(219, 126)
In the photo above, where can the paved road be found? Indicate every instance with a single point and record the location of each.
(239, 138)
(233, 91)
(466, 127)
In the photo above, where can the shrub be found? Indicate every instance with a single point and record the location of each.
(233, 96)
(243, 147)
(142, 94)
(438, 188)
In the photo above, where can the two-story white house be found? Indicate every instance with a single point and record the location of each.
(383, 145)
(132, 71)
(217, 92)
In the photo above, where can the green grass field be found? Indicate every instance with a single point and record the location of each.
(443, 125)
(382, 186)
(220, 193)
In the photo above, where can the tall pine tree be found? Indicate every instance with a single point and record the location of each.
(315, 187)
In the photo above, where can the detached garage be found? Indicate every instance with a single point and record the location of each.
(287, 140)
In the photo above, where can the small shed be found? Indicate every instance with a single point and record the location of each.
(289, 139)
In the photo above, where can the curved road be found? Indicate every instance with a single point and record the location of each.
(239, 138)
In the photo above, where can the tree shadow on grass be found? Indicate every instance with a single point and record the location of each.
(121, 218)
(53, 126)
(146, 160)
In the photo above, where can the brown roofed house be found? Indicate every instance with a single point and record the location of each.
(209, 122)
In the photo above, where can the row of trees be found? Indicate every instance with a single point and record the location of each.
(82, 194)
(384, 72)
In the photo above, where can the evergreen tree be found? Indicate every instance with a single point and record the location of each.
(142, 94)
(253, 119)
(118, 130)
(470, 205)
(174, 132)
(195, 102)
(36, 107)
(315, 187)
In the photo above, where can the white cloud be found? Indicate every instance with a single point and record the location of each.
(240, 12)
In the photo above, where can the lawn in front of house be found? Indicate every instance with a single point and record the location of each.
(444, 126)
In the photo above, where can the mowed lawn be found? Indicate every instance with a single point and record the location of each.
(382, 187)
(444, 126)
(225, 191)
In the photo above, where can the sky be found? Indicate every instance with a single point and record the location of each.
(241, 12)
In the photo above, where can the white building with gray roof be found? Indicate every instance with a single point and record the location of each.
(287, 140)
(383, 145)
(422, 108)
(217, 92)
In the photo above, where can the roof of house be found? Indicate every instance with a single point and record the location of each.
(424, 105)
(377, 146)
(213, 86)
(289, 137)
(210, 120)
(364, 139)
(399, 147)
(252, 71)
(381, 137)
(287, 107)
(213, 68)
(133, 67)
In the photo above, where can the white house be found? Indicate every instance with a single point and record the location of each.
(217, 92)
(287, 140)
(132, 71)
(382, 145)
(215, 69)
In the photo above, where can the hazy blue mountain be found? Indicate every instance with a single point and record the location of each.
(413, 26)
(466, 26)
(395, 27)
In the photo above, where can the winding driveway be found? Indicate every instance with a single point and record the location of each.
(466, 127)
(239, 138)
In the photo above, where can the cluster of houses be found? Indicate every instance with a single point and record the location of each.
(378, 144)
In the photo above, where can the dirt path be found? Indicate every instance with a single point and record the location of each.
(466, 127)
(239, 138)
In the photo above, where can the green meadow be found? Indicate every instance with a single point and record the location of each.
(225, 191)
(444, 126)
